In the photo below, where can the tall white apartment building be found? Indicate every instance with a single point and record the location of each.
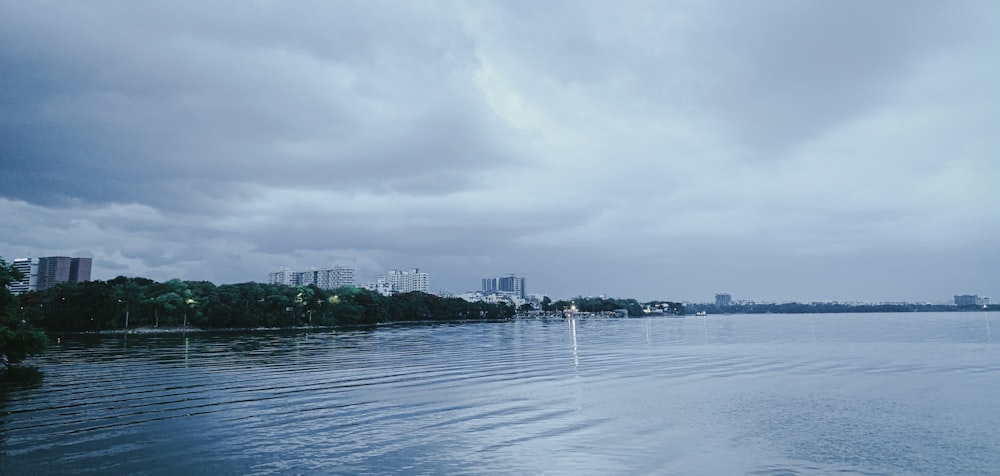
(29, 268)
(329, 278)
(397, 281)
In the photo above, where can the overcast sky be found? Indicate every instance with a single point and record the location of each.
(774, 150)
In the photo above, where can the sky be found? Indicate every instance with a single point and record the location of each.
(775, 150)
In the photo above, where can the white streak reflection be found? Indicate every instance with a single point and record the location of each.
(572, 331)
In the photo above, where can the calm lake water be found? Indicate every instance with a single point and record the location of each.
(749, 394)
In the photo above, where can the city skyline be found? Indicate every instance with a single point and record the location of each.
(78, 270)
(66, 269)
(338, 275)
(790, 151)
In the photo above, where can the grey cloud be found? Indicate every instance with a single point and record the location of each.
(788, 70)
(593, 147)
(220, 106)
(774, 73)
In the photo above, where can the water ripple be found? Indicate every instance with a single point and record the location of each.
(761, 395)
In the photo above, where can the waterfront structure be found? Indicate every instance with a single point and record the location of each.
(397, 281)
(723, 300)
(509, 284)
(46, 272)
(327, 278)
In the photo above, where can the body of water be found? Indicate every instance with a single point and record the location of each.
(747, 394)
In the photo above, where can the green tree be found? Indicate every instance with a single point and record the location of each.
(18, 339)
(130, 294)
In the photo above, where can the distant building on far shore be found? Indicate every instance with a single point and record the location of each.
(397, 281)
(29, 268)
(46, 272)
(971, 300)
(328, 278)
(511, 284)
(723, 300)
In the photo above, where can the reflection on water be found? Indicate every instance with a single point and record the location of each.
(572, 330)
(989, 333)
(858, 394)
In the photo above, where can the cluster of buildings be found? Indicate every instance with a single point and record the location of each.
(46, 272)
(329, 278)
(393, 282)
(507, 288)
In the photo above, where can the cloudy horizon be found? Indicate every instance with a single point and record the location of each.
(775, 150)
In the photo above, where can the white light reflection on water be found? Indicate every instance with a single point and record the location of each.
(989, 333)
(858, 394)
(572, 329)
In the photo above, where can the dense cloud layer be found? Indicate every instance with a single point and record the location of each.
(774, 150)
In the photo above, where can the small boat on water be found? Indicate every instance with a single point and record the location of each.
(701, 313)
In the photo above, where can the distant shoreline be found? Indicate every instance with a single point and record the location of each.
(183, 330)
(558, 316)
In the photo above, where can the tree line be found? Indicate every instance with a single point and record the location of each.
(596, 305)
(18, 338)
(125, 302)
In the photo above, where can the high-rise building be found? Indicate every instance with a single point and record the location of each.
(397, 281)
(79, 269)
(510, 284)
(329, 278)
(53, 270)
(43, 273)
(29, 268)
(723, 300)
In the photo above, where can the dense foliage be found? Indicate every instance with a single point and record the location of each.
(598, 304)
(18, 339)
(138, 302)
